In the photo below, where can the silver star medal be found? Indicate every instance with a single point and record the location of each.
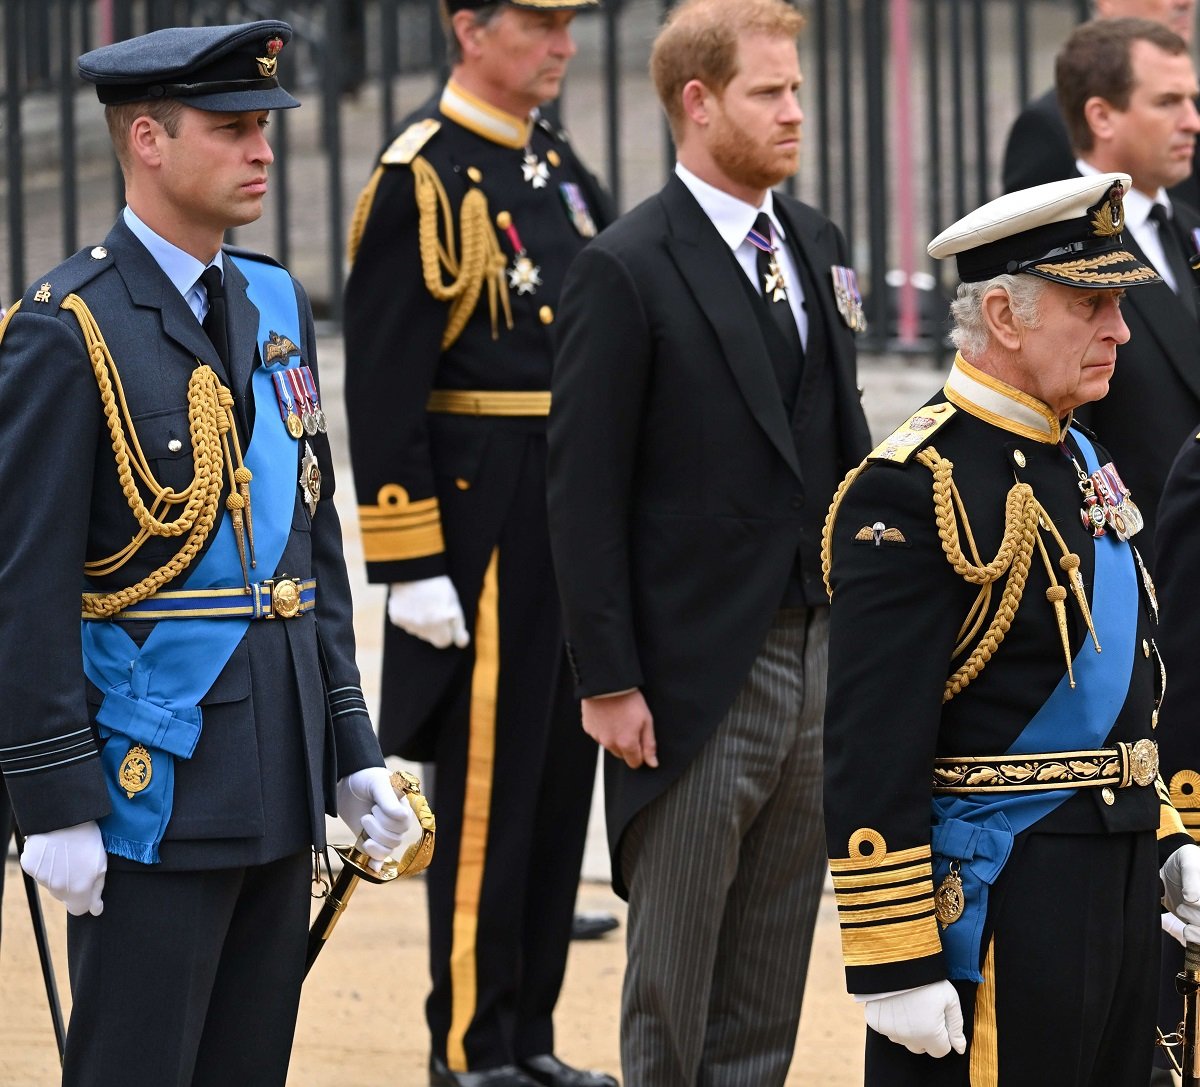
(310, 480)
(524, 276)
(775, 286)
(533, 170)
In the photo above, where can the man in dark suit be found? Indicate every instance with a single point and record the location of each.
(1127, 87)
(704, 407)
(1038, 147)
(447, 391)
(175, 787)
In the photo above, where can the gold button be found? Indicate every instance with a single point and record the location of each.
(475, 174)
(1145, 648)
(462, 484)
(552, 158)
(1019, 457)
(1110, 797)
(503, 220)
(546, 315)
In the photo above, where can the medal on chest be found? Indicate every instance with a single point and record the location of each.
(533, 170)
(524, 276)
(310, 480)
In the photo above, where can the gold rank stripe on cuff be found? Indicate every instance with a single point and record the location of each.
(1171, 821)
(885, 903)
(484, 402)
(398, 528)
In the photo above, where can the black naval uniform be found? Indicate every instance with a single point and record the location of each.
(447, 404)
(1068, 941)
(178, 949)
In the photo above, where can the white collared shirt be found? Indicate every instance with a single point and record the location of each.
(1137, 207)
(733, 219)
(182, 269)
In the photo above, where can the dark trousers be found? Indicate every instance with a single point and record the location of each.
(6, 833)
(189, 979)
(1074, 922)
(512, 792)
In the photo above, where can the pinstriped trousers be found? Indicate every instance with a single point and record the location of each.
(725, 871)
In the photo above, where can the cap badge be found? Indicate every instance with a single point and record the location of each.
(268, 64)
(1108, 217)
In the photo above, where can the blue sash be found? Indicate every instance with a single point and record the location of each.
(978, 830)
(152, 695)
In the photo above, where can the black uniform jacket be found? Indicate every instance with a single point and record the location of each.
(896, 612)
(63, 504)
(434, 488)
(676, 499)
(1153, 400)
(1039, 150)
(1179, 635)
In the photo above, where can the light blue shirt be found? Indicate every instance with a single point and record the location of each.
(181, 268)
(733, 219)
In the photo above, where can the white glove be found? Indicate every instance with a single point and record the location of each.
(70, 863)
(927, 1019)
(1181, 883)
(369, 806)
(429, 609)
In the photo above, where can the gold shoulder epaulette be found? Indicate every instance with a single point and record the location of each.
(403, 149)
(915, 432)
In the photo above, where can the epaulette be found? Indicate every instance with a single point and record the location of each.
(403, 149)
(46, 295)
(914, 433)
(250, 254)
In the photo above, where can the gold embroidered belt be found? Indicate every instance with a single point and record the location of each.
(1118, 767)
(485, 402)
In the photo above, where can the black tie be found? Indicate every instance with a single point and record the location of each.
(1172, 243)
(215, 323)
(771, 284)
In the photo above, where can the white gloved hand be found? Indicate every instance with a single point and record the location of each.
(927, 1019)
(1181, 883)
(429, 609)
(369, 806)
(70, 863)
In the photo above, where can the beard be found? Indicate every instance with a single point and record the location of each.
(742, 160)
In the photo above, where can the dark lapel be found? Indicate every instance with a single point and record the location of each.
(1168, 322)
(704, 262)
(806, 245)
(149, 287)
(243, 328)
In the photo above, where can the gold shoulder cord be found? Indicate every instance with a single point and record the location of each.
(214, 445)
(482, 259)
(1023, 515)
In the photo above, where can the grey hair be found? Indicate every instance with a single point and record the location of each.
(483, 16)
(970, 334)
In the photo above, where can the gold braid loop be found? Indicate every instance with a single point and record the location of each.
(362, 209)
(210, 423)
(482, 259)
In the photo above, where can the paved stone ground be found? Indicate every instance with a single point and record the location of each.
(361, 1021)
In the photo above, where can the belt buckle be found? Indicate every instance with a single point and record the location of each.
(1141, 759)
(285, 598)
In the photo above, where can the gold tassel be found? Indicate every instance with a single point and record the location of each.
(1056, 594)
(1070, 563)
(234, 503)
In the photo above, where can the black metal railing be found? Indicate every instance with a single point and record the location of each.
(907, 103)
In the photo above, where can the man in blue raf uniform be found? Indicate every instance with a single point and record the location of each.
(460, 243)
(174, 788)
(996, 834)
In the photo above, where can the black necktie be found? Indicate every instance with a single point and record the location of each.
(771, 283)
(215, 323)
(1172, 243)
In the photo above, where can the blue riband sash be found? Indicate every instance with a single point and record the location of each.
(152, 695)
(978, 830)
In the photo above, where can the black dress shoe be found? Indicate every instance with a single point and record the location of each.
(591, 926)
(507, 1075)
(549, 1071)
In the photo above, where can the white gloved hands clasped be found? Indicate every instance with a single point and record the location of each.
(369, 806)
(1181, 890)
(429, 609)
(71, 864)
(927, 1019)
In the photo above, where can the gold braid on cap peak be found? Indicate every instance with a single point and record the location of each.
(214, 444)
(1022, 513)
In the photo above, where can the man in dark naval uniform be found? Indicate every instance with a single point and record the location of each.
(460, 243)
(996, 832)
(174, 788)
